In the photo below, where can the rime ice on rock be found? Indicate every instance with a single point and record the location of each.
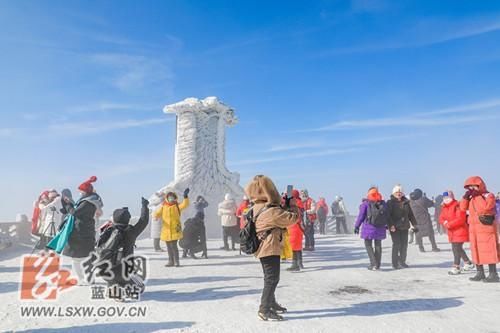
(200, 157)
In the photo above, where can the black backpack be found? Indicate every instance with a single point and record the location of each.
(249, 241)
(336, 208)
(377, 214)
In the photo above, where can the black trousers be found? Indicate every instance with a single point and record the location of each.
(432, 238)
(399, 247)
(173, 252)
(322, 226)
(309, 235)
(229, 232)
(374, 254)
(459, 253)
(271, 269)
(341, 224)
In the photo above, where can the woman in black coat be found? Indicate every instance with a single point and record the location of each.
(401, 218)
(194, 239)
(81, 243)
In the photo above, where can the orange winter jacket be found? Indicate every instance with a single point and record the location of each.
(483, 238)
(455, 221)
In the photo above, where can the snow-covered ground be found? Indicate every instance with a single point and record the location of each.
(222, 294)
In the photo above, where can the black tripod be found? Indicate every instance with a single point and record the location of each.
(44, 240)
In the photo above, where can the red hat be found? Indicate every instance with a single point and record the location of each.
(87, 185)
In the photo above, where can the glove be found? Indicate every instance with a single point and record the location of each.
(145, 202)
(356, 230)
(467, 195)
(415, 229)
(186, 193)
(474, 193)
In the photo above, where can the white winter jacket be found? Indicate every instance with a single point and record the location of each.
(156, 226)
(50, 212)
(227, 212)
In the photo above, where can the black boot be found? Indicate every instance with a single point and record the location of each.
(170, 255)
(371, 254)
(479, 275)
(433, 242)
(493, 276)
(295, 263)
(175, 249)
(299, 260)
(270, 315)
(278, 308)
(156, 244)
(378, 255)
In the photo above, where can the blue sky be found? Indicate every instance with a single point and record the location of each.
(332, 95)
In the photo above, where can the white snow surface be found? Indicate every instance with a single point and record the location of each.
(200, 156)
(222, 294)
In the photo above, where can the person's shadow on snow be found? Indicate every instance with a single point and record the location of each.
(118, 327)
(380, 308)
(8, 287)
(196, 279)
(206, 294)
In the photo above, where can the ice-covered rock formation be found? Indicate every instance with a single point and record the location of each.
(200, 157)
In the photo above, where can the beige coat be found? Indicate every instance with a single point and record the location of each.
(273, 218)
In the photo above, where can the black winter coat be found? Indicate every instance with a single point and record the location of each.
(420, 208)
(119, 241)
(123, 235)
(400, 214)
(82, 240)
(194, 234)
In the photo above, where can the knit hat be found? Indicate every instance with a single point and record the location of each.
(449, 194)
(121, 216)
(374, 195)
(397, 188)
(87, 185)
(416, 194)
(53, 194)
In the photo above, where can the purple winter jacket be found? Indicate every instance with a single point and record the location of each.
(369, 231)
(498, 210)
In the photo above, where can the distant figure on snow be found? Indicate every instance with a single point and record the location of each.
(156, 225)
(373, 219)
(309, 220)
(420, 205)
(322, 213)
(483, 230)
(454, 220)
(339, 211)
(401, 218)
(171, 231)
(230, 227)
